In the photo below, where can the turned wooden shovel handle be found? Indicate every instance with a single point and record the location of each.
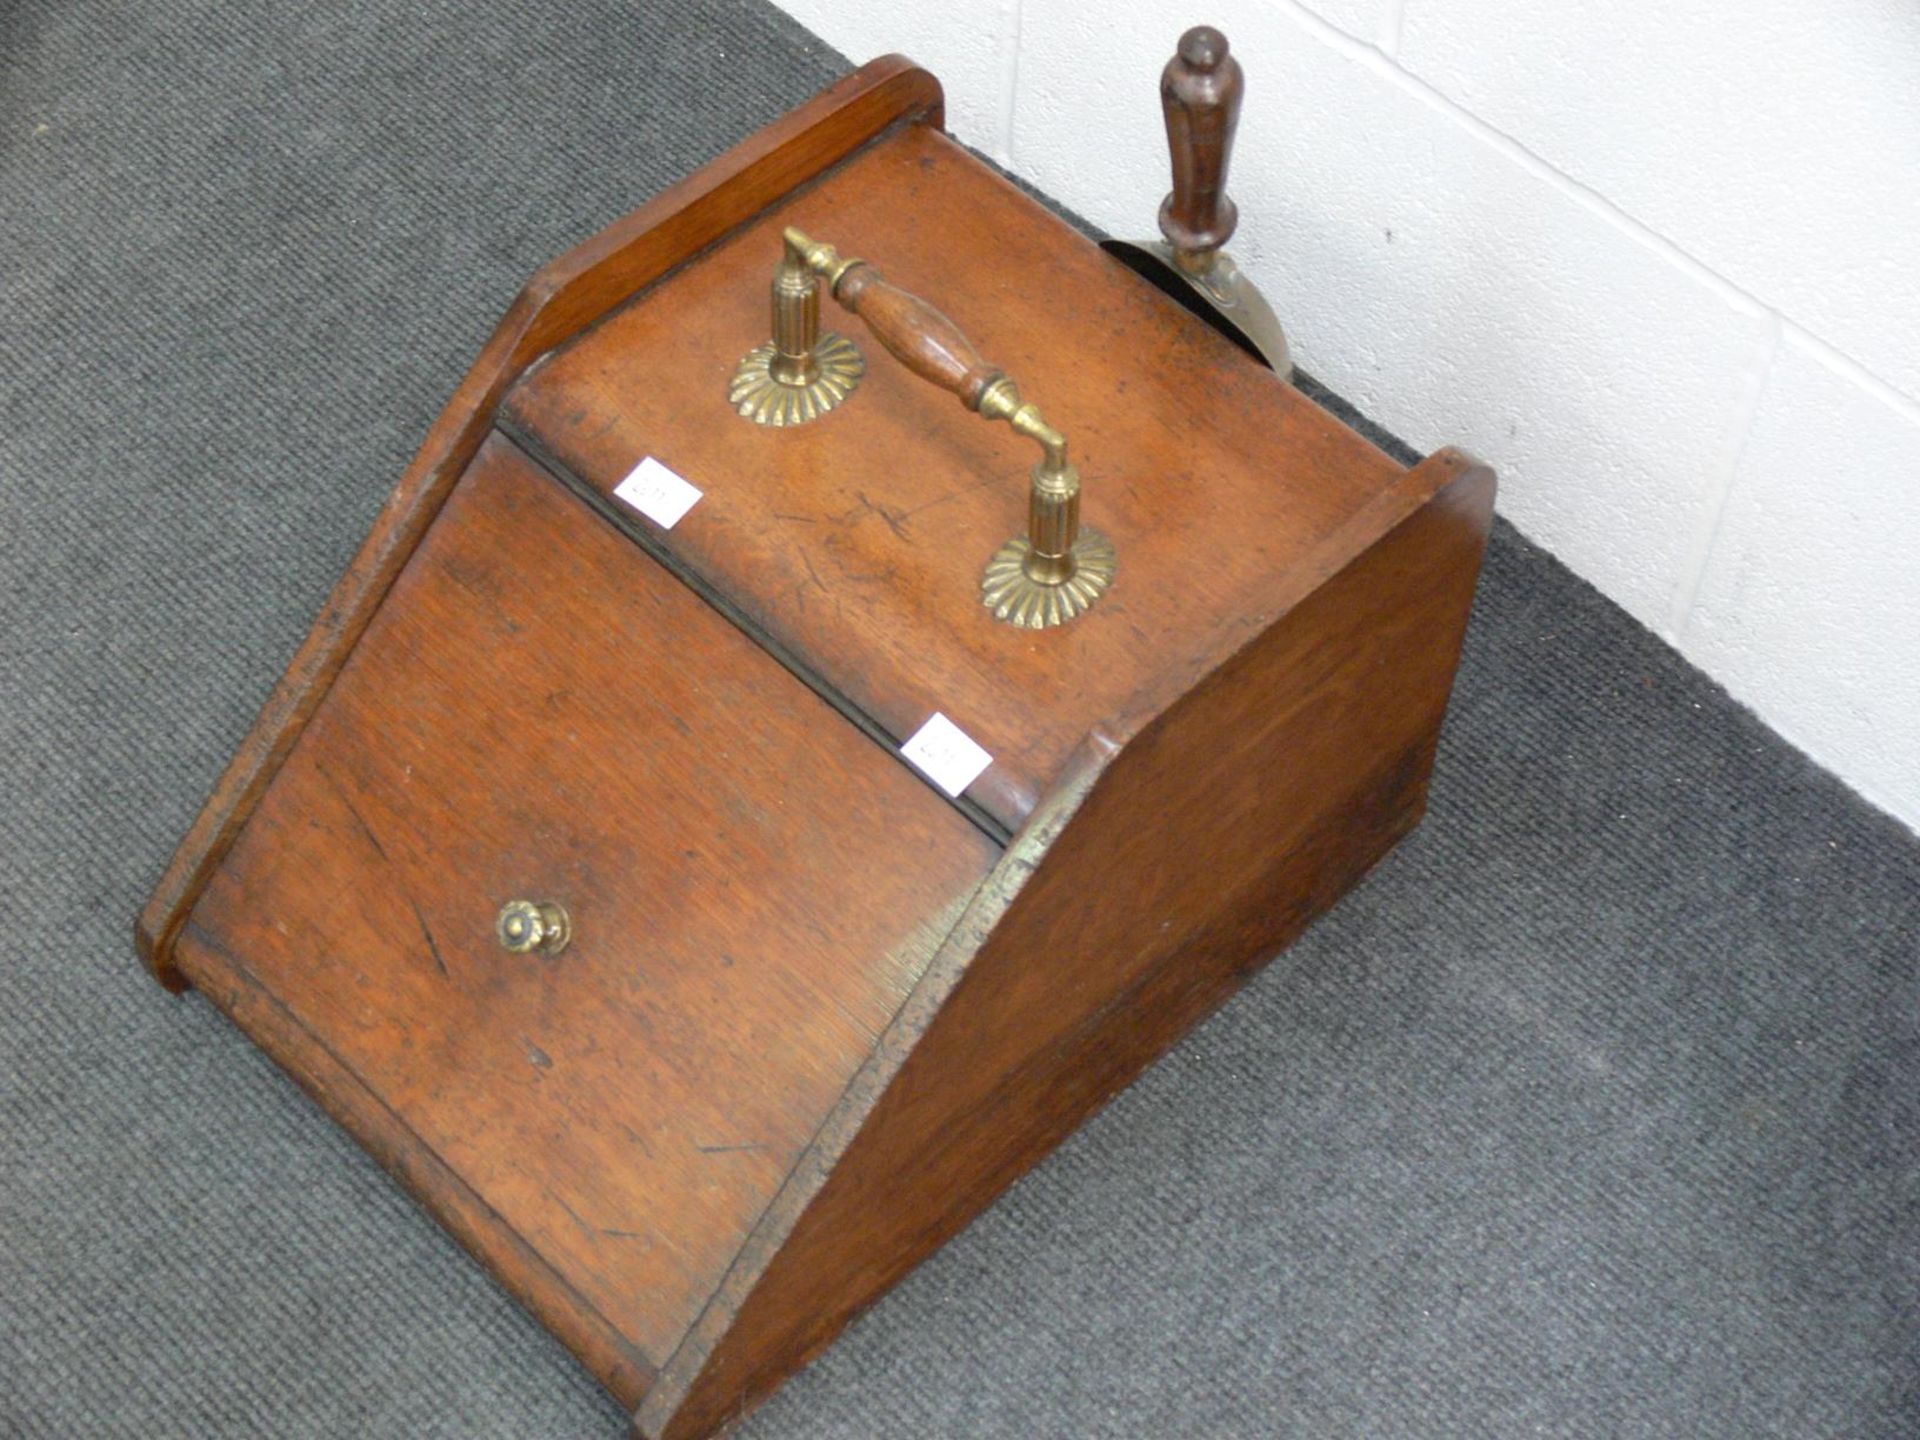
(1200, 94)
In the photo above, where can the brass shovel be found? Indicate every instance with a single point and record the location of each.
(1200, 95)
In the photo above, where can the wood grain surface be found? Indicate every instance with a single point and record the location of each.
(565, 298)
(1158, 878)
(813, 1017)
(859, 540)
(539, 711)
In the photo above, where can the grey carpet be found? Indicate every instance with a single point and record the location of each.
(1594, 1112)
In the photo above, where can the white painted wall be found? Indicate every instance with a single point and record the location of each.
(1659, 264)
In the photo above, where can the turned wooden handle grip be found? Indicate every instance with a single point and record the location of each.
(926, 342)
(1200, 95)
(916, 334)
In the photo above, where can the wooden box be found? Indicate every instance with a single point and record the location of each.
(814, 1014)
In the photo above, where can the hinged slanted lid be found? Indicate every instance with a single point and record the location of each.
(854, 544)
(539, 712)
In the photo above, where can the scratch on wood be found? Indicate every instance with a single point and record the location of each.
(728, 1149)
(439, 963)
(953, 495)
(477, 586)
(354, 811)
(573, 1214)
(893, 521)
(637, 1138)
(799, 590)
(426, 930)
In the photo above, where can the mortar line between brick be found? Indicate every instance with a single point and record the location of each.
(1010, 20)
(1712, 513)
(1393, 19)
(1372, 57)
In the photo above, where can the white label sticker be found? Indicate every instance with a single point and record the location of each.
(657, 493)
(946, 754)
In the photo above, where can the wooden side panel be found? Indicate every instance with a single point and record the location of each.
(544, 713)
(562, 300)
(1211, 840)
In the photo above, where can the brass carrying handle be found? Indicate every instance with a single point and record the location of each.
(1055, 571)
(926, 342)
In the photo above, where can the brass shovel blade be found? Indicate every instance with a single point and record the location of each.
(1223, 297)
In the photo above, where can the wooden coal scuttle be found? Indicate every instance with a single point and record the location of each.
(595, 864)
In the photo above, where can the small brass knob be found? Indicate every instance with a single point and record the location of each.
(528, 925)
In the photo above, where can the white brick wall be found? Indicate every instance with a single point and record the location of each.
(1660, 265)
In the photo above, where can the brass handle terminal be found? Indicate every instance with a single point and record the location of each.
(1045, 577)
(800, 374)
